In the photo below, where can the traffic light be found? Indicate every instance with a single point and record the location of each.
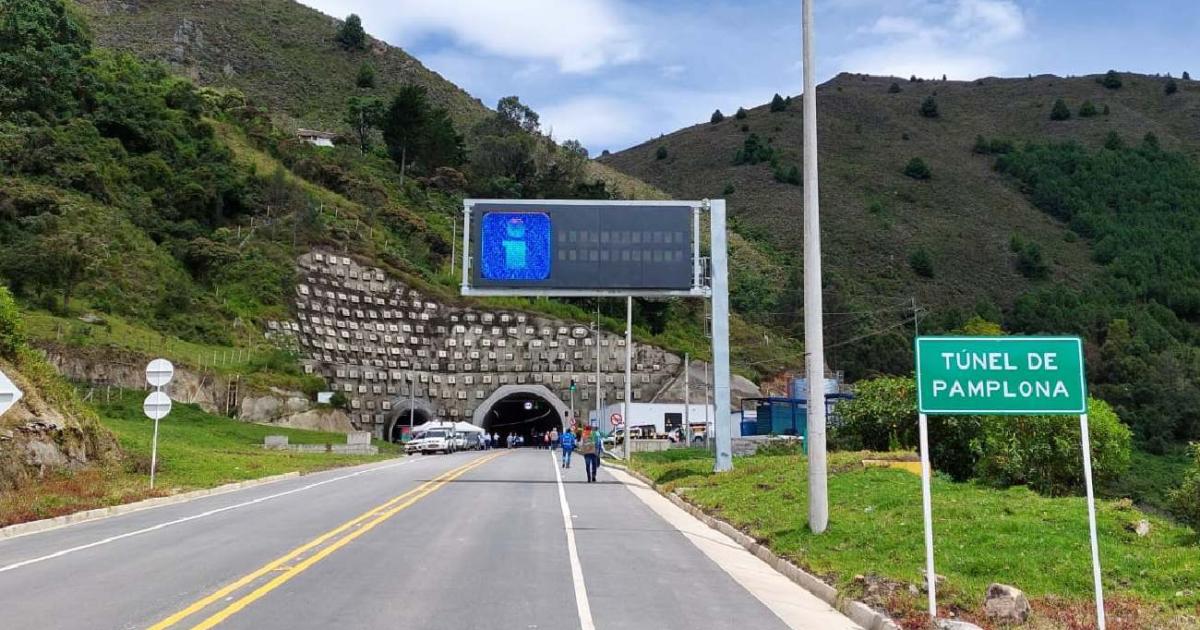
(572, 384)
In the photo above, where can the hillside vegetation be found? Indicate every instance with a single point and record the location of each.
(979, 199)
(280, 53)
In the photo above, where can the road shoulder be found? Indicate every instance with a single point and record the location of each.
(795, 606)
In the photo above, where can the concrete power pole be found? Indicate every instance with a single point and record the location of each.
(598, 403)
(687, 399)
(814, 339)
(628, 377)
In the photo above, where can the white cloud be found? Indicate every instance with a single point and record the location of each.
(963, 39)
(578, 36)
(989, 20)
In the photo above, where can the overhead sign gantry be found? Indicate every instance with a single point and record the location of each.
(584, 248)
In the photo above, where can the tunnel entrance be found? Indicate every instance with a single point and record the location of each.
(403, 420)
(528, 412)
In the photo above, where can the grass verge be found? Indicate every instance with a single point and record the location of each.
(874, 550)
(195, 450)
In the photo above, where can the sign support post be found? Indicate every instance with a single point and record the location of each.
(1011, 376)
(927, 507)
(1091, 502)
(157, 405)
(628, 378)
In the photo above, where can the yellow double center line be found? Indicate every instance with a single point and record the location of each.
(364, 523)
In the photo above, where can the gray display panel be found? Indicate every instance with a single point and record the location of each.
(582, 246)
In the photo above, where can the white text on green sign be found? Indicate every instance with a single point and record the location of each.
(1000, 375)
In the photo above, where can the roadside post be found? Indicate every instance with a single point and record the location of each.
(996, 376)
(157, 405)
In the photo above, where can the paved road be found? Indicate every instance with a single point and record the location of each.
(465, 541)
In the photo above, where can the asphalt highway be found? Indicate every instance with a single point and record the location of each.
(499, 539)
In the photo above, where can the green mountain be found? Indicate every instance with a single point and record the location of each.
(280, 53)
(984, 198)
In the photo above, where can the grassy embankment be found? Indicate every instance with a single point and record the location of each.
(195, 450)
(983, 535)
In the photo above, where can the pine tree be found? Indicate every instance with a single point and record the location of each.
(1106, 110)
(1060, 110)
(741, 113)
(929, 107)
(1087, 110)
(1171, 87)
(661, 153)
(1186, 76)
(894, 88)
(351, 34)
(1111, 80)
(717, 117)
(921, 263)
(778, 104)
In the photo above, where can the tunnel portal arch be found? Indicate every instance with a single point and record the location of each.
(486, 415)
(407, 413)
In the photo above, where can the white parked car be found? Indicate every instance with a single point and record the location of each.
(437, 440)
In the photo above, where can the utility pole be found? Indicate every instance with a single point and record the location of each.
(598, 403)
(916, 320)
(687, 399)
(814, 339)
(412, 401)
(628, 377)
(453, 243)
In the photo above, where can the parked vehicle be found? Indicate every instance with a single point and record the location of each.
(438, 441)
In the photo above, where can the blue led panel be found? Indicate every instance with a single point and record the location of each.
(515, 246)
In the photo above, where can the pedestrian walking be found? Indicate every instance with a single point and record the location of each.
(546, 441)
(589, 447)
(495, 440)
(568, 445)
(553, 439)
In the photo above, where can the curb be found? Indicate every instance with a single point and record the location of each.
(33, 527)
(858, 612)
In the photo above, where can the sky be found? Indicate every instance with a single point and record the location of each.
(615, 73)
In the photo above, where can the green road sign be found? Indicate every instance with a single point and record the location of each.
(1000, 375)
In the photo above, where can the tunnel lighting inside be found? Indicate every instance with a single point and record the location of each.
(524, 414)
(406, 419)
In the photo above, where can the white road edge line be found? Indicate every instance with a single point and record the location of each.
(185, 519)
(581, 598)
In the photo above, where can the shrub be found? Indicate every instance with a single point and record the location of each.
(1043, 453)
(995, 146)
(1185, 500)
(788, 176)
(1060, 111)
(754, 151)
(1171, 87)
(728, 190)
(1030, 263)
(366, 75)
(929, 107)
(917, 169)
(1106, 110)
(1087, 110)
(883, 416)
(12, 336)
(661, 153)
(894, 88)
(1110, 80)
(1186, 76)
(717, 117)
(921, 263)
(778, 104)
(1113, 141)
(741, 113)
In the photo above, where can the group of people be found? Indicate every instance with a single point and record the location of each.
(589, 443)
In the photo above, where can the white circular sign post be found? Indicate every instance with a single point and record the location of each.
(157, 404)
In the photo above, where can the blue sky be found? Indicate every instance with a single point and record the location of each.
(614, 73)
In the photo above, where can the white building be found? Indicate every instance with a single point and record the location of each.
(662, 417)
(318, 138)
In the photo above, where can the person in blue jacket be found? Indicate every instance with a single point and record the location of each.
(568, 445)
